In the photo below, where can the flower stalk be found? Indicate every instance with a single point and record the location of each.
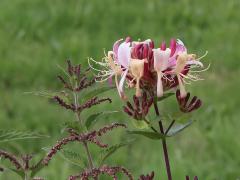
(164, 144)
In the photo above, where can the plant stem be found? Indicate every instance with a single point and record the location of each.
(164, 144)
(26, 176)
(75, 95)
(90, 161)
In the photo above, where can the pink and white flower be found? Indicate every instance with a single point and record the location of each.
(142, 66)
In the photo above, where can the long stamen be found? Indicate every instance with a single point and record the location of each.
(202, 56)
(203, 70)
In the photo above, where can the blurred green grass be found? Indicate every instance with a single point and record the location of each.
(37, 35)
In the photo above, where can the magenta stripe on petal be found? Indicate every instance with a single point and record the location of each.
(173, 47)
(163, 46)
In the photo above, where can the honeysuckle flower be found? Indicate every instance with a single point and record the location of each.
(181, 64)
(142, 66)
(116, 63)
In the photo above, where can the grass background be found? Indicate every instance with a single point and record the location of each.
(37, 35)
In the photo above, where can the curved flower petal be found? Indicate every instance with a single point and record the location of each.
(180, 48)
(124, 54)
(115, 48)
(161, 59)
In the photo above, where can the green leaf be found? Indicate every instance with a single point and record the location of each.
(92, 119)
(178, 128)
(73, 158)
(18, 172)
(48, 94)
(13, 135)
(148, 134)
(70, 156)
(72, 125)
(165, 95)
(38, 168)
(139, 124)
(106, 153)
(92, 92)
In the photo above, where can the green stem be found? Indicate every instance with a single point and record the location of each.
(90, 161)
(26, 176)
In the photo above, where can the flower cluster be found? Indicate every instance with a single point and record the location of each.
(143, 66)
(96, 172)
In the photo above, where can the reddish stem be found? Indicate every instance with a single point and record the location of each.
(164, 144)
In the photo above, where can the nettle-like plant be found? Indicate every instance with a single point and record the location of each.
(155, 73)
(79, 96)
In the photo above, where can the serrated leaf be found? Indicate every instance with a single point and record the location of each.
(13, 135)
(70, 156)
(165, 95)
(73, 158)
(148, 134)
(178, 128)
(112, 149)
(93, 118)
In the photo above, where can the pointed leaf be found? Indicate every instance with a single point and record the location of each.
(12, 135)
(92, 92)
(73, 158)
(178, 128)
(148, 134)
(92, 119)
(48, 94)
(112, 149)
(18, 172)
(72, 125)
